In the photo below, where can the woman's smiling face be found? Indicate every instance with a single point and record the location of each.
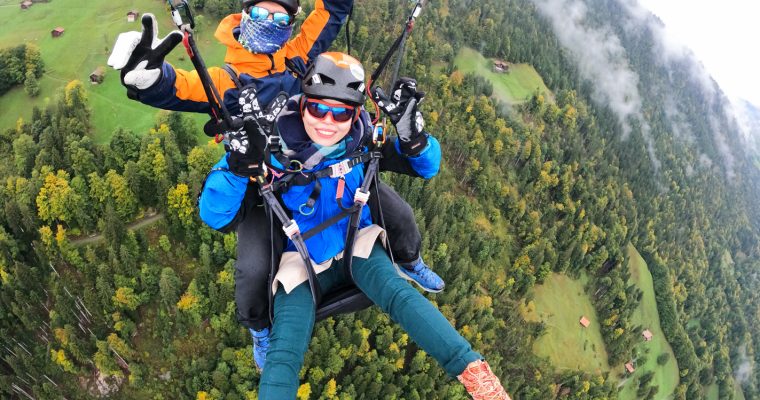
(326, 131)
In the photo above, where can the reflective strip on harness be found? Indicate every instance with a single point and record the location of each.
(340, 189)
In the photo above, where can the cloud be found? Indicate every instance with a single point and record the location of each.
(675, 55)
(668, 50)
(601, 60)
(705, 161)
(747, 117)
(679, 123)
(721, 143)
(743, 372)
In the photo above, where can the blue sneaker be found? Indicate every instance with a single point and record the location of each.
(260, 346)
(423, 276)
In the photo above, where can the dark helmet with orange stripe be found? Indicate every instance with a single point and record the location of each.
(335, 76)
(292, 6)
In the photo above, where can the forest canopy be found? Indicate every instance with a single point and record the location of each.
(111, 285)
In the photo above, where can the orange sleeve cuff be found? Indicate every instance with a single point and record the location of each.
(310, 30)
(190, 87)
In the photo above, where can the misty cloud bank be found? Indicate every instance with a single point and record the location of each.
(601, 60)
(743, 372)
(670, 53)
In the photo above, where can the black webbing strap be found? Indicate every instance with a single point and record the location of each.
(233, 75)
(319, 228)
(299, 239)
(353, 224)
(274, 205)
(274, 149)
(348, 30)
(314, 195)
(304, 178)
(407, 29)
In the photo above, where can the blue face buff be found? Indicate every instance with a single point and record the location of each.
(262, 36)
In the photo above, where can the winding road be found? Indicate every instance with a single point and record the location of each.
(134, 225)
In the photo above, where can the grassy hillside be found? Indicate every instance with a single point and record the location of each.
(559, 303)
(712, 393)
(91, 30)
(738, 394)
(665, 376)
(515, 86)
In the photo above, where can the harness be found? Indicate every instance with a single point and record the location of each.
(282, 179)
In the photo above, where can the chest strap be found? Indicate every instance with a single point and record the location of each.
(292, 178)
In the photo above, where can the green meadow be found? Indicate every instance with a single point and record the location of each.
(738, 394)
(513, 87)
(646, 315)
(712, 392)
(559, 303)
(91, 29)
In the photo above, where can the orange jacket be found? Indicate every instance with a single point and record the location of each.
(181, 90)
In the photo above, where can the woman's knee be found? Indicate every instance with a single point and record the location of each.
(379, 280)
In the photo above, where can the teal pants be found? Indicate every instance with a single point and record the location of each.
(378, 279)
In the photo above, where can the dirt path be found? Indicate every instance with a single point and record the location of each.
(135, 225)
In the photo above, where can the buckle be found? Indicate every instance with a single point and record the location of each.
(361, 196)
(340, 168)
(291, 229)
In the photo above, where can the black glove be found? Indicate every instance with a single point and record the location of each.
(140, 56)
(403, 113)
(246, 146)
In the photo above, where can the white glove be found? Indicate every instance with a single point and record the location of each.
(140, 55)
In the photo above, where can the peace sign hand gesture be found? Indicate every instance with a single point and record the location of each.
(140, 55)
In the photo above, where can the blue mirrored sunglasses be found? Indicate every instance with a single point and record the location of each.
(320, 110)
(259, 14)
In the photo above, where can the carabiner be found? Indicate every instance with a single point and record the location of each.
(305, 214)
(299, 166)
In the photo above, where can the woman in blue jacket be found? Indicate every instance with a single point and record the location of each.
(320, 129)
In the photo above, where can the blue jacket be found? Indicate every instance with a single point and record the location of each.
(222, 203)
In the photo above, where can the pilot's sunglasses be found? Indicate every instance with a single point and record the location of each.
(279, 18)
(319, 109)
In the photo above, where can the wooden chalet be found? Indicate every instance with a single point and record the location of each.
(132, 15)
(500, 66)
(629, 367)
(97, 76)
